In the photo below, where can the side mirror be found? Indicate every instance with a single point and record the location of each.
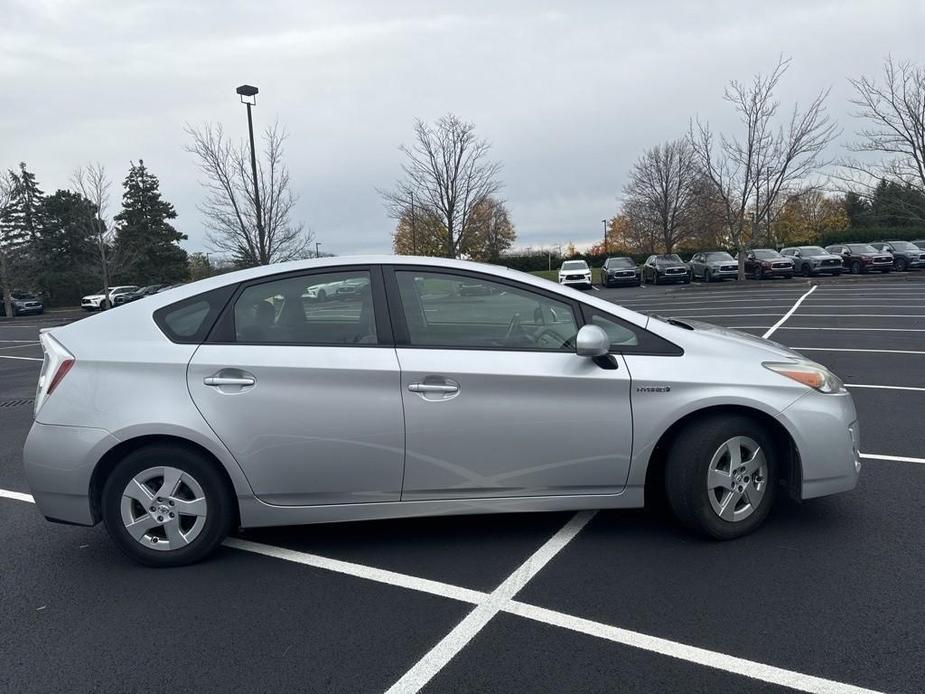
(592, 341)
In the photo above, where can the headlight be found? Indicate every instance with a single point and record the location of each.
(809, 374)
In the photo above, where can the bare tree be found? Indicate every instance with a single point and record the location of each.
(662, 184)
(93, 184)
(751, 170)
(229, 207)
(448, 173)
(895, 111)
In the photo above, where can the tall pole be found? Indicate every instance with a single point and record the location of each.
(414, 236)
(261, 235)
(317, 249)
(604, 222)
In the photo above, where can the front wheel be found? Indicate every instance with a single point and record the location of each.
(721, 475)
(901, 265)
(166, 505)
(805, 270)
(856, 268)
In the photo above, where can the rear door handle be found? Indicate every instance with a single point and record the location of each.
(229, 381)
(432, 388)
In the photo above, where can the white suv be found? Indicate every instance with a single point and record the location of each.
(575, 273)
(92, 302)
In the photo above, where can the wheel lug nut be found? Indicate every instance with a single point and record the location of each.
(152, 508)
(160, 519)
(170, 502)
(171, 514)
(160, 499)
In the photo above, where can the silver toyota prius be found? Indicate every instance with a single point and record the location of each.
(344, 389)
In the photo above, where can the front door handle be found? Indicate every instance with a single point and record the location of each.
(432, 388)
(229, 380)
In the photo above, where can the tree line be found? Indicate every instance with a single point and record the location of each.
(768, 181)
(65, 245)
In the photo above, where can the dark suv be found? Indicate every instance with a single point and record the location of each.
(906, 255)
(23, 303)
(813, 260)
(665, 268)
(617, 271)
(861, 257)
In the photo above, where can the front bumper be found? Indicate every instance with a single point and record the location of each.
(622, 279)
(777, 271)
(584, 282)
(59, 462)
(724, 274)
(825, 431)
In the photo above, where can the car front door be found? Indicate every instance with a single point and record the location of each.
(303, 388)
(497, 403)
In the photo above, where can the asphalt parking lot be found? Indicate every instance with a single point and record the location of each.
(828, 596)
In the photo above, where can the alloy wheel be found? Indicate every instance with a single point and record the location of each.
(164, 508)
(737, 478)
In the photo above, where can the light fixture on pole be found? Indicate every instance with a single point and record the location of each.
(248, 96)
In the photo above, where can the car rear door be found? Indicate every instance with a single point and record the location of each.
(304, 391)
(497, 403)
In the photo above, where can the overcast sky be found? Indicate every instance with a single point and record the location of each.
(569, 94)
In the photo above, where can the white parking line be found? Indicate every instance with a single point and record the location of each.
(809, 304)
(17, 340)
(892, 458)
(28, 344)
(789, 313)
(809, 315)
(18, 496)
(813, 327)
(852, 349)
(862, 385)
(654, 644)
(434, 661)
(7, 356)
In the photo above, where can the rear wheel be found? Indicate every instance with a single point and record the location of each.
(855, 267)
(166, 505)
(720, 476)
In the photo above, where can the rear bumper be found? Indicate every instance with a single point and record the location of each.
(825, 430)
(58, 463)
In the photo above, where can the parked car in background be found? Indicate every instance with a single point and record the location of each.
(93, 302)
(23, 303)
(761, 263)
(619, 271)
(665, 268)
(139, 293)
(575, 273)
(861, 257)
(714, 265)
(169, 286)
(906, 255)
(813, 260)
(258, 416)
(920, 243)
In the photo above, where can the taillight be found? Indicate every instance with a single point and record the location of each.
(56, 365)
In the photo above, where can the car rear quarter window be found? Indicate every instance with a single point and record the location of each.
(190, 320)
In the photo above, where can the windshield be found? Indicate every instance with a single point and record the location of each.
(22, 295)
(861, 248)
(813, 250)
(718, 255)
(574, 265)
(620, 262)
(766, 254)
(903, 246)
(671, 258)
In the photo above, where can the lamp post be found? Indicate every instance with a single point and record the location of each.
(414, 236)
(317, 249)
(248, 96)
(604, 222)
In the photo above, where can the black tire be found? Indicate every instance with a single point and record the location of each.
(837, 273)
(322, 295)
(855, 267)
(901, 265)
(805, 270)
(886, 270)
(707, 275)
(220, 502)
(686, 470)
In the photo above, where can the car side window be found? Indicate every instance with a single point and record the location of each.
(469, 312)
(333, 308)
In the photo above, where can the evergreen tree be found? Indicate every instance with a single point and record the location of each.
(146, 249)
(66, 249)
(20, 227)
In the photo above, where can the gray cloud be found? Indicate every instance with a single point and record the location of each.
(569, 94)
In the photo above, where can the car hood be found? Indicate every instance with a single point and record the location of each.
(577, 271)
(92, 296)
(824, 256)
(717, 263)
(730, 335)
